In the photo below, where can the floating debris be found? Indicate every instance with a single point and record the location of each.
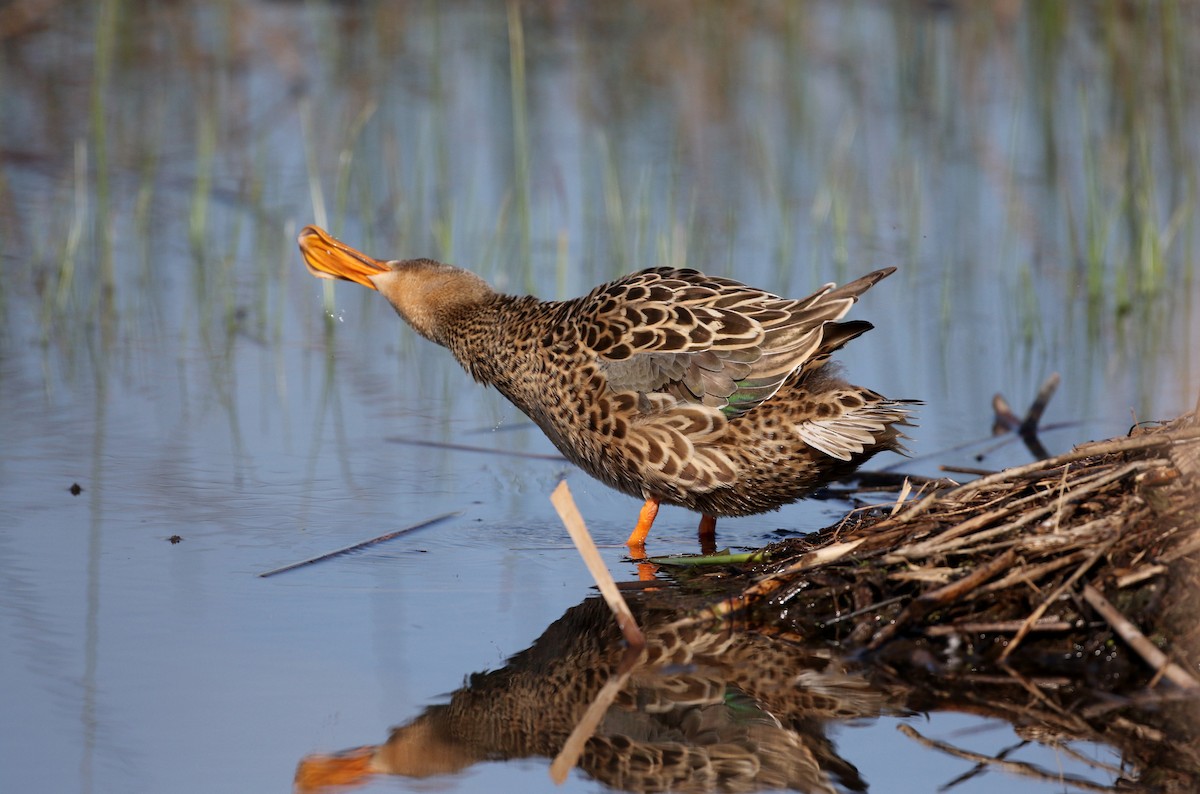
(361, 544)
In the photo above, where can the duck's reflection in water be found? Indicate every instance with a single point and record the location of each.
(704, 709)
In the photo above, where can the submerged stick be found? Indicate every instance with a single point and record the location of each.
(509, 453)
(568, 756)
(569, 513)
(1027, 428)
(1033, 416)
(1135, 639)
(361, 545)
(1015, 767)
(572, 748)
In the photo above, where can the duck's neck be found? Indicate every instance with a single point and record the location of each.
(493, 340)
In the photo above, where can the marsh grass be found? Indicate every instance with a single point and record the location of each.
(520, 141)
(316, 195)
(105, 44)
(69, 255)
(346, 162)
(842, 193)
(198, 216)
(791, 196)
(614, 208)
(1090, 245)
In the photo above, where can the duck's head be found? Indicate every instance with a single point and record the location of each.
(429, 295)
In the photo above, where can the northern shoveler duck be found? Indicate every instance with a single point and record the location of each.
(668, 384)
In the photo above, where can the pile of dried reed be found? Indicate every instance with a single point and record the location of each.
(1063, 596)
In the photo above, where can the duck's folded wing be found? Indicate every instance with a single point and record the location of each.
(707, 340)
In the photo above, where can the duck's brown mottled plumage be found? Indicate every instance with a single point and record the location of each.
(666, 384)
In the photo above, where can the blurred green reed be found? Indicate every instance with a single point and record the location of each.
(205, 156)
(105, 45)
(1079, 120)
(520, 138)
(69, 254)
(346, 161)
(619, 242)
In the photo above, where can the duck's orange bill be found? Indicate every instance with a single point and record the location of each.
(321, 772)
(327, 257)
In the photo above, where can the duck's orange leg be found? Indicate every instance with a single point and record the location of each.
(637, 538)
(708, 534)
